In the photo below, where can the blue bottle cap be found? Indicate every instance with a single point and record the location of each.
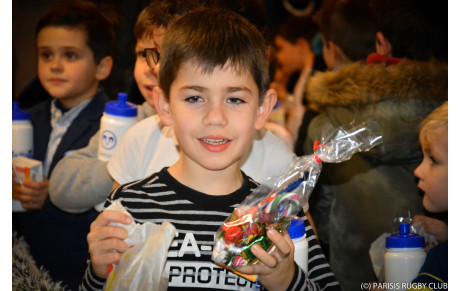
(19, 114)
(297, 228)
(121, 107)
(405, 239)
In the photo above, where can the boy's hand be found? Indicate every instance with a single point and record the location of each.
(433, 226)
(275, 270)
(106, 243)
(31, 194)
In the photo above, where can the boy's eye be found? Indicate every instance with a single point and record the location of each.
(141, 54)
(433, 160)
(235, 100)
(46, 56)
(194, 99)
(70, 56)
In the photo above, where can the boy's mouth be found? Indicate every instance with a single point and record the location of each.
(214, 141)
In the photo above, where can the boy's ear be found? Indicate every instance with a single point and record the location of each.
(265, 108)
(339, 56)
(162, 106)
(104, 68)
(383, 45)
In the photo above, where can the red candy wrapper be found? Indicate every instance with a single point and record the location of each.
(279, 199)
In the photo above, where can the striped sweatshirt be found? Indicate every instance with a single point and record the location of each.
(197, 217)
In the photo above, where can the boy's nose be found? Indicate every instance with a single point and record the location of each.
(418, 171)
(215, 115)
(56, 64)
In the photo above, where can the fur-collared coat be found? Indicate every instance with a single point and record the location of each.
(356, 201)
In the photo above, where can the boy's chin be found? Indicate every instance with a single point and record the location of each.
(432, 207)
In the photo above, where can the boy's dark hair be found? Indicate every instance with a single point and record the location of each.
(295, 27)
(350, 25)
(416, 29)
(98, 21)
(161, 13)
(212, 38)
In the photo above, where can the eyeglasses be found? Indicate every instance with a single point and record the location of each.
(153, 57)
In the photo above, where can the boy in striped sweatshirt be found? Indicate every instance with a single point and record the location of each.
(214, 93)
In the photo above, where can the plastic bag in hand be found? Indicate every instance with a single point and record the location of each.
(274, 203)
(142, 264)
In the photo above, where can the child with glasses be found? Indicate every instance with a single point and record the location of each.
(214, 97)
(75, 43)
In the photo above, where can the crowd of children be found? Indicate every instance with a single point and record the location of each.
(202, 142)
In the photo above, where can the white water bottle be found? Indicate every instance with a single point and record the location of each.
(23, 142)
(299, 238)
(118, 117)
(404, 256)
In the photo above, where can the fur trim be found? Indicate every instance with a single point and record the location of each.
(26, 275)
(363, 84)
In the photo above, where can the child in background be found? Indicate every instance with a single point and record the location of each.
(347, 30)
(353, 203)
(214, 79)
(75, 42)
(432, 174)
(348, 35)
(294, 55)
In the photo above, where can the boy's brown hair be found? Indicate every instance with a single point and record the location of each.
(212, 38)
(350, 25)
(161, 13)
(98, 21)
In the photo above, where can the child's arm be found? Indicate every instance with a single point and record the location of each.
(106, 243)
(80, 181)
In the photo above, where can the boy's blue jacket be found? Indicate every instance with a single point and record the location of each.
(78, 134)
(57, 239)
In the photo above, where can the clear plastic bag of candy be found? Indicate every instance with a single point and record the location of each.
(276, 201)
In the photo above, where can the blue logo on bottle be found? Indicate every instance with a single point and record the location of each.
(109, 140)
(28, 154)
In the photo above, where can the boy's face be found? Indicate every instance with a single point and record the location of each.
(214, 115)
(432, 173)
(288, 55)
(66, 66)
(147, 78)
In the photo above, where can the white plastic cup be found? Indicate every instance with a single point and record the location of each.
(117, 118)
(299, 238)
(404, 256)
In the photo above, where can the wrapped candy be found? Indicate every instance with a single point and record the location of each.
(279, 199)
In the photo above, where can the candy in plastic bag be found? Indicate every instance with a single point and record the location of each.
(277, 200)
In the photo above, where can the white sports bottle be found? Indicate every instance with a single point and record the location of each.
(118, 117)
(299, 238)
(23, 142)
(404, 256)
